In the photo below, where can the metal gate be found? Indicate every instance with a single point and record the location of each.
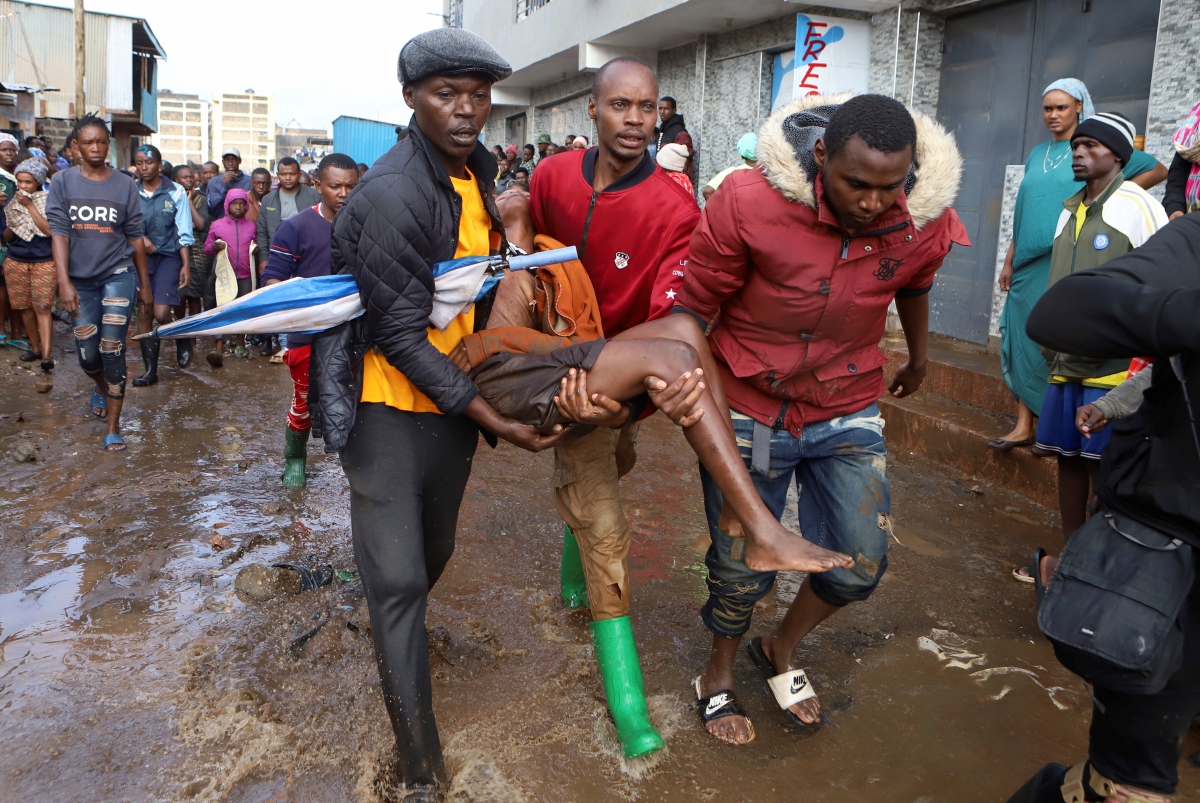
(996, 62)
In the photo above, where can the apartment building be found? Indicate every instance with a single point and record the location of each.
(978, 66)
(183, 128)
(246, 121)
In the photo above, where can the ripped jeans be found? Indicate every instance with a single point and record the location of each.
(101, 325)
(840, 471)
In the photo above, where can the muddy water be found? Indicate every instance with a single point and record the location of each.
(131, 670)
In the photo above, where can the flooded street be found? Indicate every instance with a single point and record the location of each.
(131, 670)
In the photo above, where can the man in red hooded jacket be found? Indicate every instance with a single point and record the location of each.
(801, 257)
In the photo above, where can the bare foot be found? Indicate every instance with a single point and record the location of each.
(808, 710)
(781, 550)
(735, 730)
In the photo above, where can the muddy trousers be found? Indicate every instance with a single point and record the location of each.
(407, 472)
(587, 494)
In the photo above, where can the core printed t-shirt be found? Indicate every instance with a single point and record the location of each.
(384, 384)
(100, 217)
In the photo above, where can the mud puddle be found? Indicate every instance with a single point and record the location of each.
(131, 670)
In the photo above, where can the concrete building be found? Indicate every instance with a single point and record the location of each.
(182, 134)
(246, 121)
(979, 66)
(289, 140)
(37, 50)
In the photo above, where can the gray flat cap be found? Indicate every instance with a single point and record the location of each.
(449, 51)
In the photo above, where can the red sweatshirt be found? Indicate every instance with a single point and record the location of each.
(632, 237)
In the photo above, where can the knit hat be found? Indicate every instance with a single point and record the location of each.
(747, 145)
(672, 157)
(580, 143)
(34, 167)
(1110, 129)
(449, 51)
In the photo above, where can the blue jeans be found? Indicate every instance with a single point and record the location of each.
(101, 325)
(840, 470)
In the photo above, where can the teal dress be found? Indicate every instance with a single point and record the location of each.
(1048, 182)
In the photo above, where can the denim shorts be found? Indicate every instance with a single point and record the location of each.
(840, 470)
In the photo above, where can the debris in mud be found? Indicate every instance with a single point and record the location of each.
(298, 529)
(262, 583)
(220, 542)
(271, 508)
(950, 647)
(25, 452)
(43, 386)
(244, 547)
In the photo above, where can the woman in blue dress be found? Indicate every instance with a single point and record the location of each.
(1047, 183)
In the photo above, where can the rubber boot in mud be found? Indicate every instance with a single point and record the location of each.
(616, 653)
(149, 348)
(295, 454)
(574, 586)
(183, 352)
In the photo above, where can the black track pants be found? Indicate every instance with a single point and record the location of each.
(407, 473)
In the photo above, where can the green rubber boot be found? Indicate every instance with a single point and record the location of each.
(574, 586)
(617, 656)
(295, 453)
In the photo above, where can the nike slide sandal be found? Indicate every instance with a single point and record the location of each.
(720, 705)
(788, 688)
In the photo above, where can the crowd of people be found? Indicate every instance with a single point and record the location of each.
(752, 323)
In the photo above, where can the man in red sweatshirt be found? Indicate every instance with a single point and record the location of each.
(632, 225)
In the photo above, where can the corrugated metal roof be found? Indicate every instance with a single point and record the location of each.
(37, 48)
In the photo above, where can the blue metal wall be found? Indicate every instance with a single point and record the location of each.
(363, 140)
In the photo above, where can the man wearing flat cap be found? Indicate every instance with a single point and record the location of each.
(383, 393)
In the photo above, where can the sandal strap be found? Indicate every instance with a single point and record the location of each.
(718, 705)
(790, 688)
(1074, 788)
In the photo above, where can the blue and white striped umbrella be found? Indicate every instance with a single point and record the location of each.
(308, 306)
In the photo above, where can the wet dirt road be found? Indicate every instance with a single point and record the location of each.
(131, 669)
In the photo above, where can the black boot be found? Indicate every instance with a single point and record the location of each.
(183, 352)
(150, 360)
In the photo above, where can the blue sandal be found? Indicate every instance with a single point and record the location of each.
(113, 439)
(100, 402)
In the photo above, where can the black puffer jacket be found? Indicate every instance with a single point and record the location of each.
(401, 219)
(1142, 304)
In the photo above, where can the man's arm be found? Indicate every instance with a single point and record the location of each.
(914, 318)
(216, 196)
(262, 236)
(673, 264)
(284, 253)
(1143, 303)
(396, 300)
(1175, 195)
(718, 258)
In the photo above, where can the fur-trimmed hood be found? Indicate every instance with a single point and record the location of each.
(938, 162)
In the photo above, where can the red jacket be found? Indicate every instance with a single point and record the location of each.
(632, 237)
(802, 305)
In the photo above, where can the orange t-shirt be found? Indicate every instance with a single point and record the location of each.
(382, 383)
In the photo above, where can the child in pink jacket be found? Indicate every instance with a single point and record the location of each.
(238, 234)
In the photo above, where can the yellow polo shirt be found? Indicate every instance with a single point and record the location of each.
(382, 383)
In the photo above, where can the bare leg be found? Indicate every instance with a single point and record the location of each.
(1025, 427)
(620, 373)
(687, 329)
(29, 319)
(806, 612)
(45, 327)
(718, 675)
(1074, 488)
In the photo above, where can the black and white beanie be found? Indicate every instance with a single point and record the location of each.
(1110, 129)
